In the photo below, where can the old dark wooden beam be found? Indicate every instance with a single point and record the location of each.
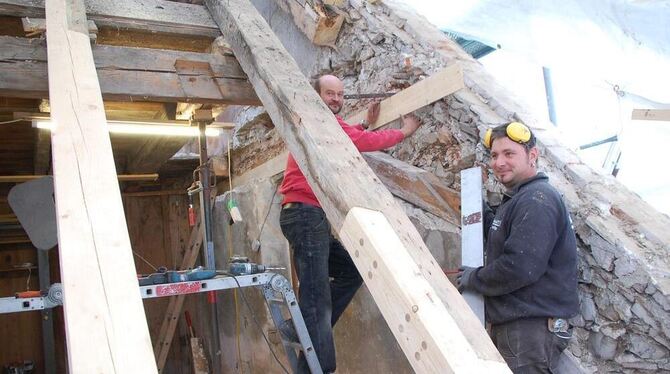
(155, 16)
(132, 74)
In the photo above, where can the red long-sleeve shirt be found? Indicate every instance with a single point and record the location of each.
(295, 187)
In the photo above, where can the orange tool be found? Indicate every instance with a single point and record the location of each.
(28, 294)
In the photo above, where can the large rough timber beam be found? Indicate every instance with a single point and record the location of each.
(132, 74)
(157, 16)
(105, 325)
(431, 322)
(314, 21)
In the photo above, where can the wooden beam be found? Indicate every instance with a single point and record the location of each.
(155, 151)
(8, 218)
(131, 74)
(341, 181)
(318, 26)
(36, 26)
(424, 92)
(106, 328)
(651, 114)
(270, 168)
(121, 178)
(155, 16)
(154, 193)
(42, 155)
(416, 186)
(406, 298)
(472, 232)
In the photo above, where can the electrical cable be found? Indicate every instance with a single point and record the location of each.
(230, 254)
(260, 328)
(13, 121)
(267, 214)
(145, 260)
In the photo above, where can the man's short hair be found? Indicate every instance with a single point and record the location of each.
(317, 85)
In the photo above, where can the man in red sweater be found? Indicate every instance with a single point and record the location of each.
(327, 275)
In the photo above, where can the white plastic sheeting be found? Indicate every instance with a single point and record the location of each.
(621, 42)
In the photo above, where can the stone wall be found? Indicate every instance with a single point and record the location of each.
(624, 324)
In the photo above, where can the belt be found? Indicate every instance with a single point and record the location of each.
(292, 205)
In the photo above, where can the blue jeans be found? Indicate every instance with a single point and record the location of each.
(318, 256)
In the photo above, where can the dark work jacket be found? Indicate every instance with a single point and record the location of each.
(531, 256)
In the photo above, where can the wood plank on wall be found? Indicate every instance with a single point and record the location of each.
(106, 327)
(342, 181)
(426, 91)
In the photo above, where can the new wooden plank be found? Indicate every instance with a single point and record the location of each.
(472, 232)
(651, 114)
(341, 180)
(422, 326)
(158, 16)
(424, 92)
(131, 74)
(106, 328)
(270, 168)
(121, 178)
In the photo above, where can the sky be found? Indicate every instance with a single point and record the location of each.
(587, 106)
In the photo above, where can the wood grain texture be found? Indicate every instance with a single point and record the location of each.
(424, 92)
(157, 16)
(131, 74)
(651, 114)
(333, 167)
(423, 327)
(106, 328)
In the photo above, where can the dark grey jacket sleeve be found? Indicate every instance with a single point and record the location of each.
(532, 235)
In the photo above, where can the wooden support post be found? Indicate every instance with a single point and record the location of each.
(121, 178)
(423, 327)
(472, 232)
(651, 114)
(156, 16)
(105, 324)
(341, 181)
(131, 74)
(441, 84)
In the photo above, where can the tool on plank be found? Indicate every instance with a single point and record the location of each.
(240, 265)
(173, 276)
(370, 95)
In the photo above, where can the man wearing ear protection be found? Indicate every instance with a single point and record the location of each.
(529, 280)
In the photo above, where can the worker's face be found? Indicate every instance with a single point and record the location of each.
(332, 93)
(511, 163)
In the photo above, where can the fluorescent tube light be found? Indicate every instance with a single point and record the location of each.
(142, 128)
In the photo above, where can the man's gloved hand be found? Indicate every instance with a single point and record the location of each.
(464, 278)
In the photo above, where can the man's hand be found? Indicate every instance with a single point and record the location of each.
(373, 114)
(410, 123)
(464, 278)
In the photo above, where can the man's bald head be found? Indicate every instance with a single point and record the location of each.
(331, 90)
